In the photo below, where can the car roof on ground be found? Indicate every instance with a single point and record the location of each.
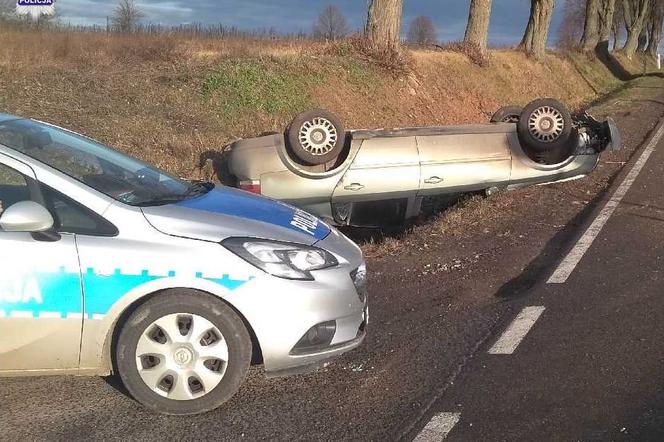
(7, 117)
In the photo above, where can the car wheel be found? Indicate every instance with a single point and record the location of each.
(507, 114)
(545, 130)
(183, 352)
(316, 137)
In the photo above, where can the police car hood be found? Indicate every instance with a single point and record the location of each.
(225, 212)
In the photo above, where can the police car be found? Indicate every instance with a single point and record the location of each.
(110, 265)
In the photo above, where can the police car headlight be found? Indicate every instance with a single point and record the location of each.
(285, 260)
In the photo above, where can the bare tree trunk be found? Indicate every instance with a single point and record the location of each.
(384, 23)
(606, 13)
(537, 32)
(635, 12)
(477, 30)
(643, 38)
(591, 26)
(655, 28)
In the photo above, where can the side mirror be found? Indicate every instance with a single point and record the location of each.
(26, 216)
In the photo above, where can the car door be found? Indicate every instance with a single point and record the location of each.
(384, 168)
(464, 162)
(40, 287)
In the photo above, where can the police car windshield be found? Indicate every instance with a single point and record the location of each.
(117, 175)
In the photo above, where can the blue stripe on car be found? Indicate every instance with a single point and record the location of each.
(60, 293)
(241, 204)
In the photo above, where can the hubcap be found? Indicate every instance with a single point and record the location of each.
(182, 356)
(546, 124)
(318, 136)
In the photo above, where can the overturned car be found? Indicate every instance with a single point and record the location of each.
(373, 178)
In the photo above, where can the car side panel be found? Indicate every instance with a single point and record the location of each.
(384, 168)
(463, 162)
(140, 261)
(311, 194)
(40, 299)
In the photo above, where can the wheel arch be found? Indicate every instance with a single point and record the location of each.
(110, 341)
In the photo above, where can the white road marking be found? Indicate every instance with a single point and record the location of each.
(438, 427)
(97, 316)
(21, 314)
(50, 315)
(518, 329)
(74, 315)
(567, 266)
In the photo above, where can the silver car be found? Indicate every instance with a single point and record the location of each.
(110, 265)
(378, 177)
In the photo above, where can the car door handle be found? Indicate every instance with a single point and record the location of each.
(354, 187)
(433, 180)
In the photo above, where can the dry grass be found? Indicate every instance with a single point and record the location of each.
(474, 53)
(149, 95)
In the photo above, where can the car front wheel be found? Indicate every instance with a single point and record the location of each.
(545, 131)
(183, 352)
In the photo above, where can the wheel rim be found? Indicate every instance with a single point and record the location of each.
(546, 124)
(318, 136)
(182, 356)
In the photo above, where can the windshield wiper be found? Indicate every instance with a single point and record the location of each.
(197, 188)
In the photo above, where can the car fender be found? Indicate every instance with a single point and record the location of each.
(99, 332)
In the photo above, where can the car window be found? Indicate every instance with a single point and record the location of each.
(71, 217)
(13, 187)
(104, 169)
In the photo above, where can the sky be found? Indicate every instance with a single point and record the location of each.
(508, 20)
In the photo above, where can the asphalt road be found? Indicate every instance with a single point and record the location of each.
(589, 362)
(587, 369)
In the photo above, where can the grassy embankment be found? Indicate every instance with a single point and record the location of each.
(169, 99)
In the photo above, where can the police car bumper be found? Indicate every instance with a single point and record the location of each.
(302, 324)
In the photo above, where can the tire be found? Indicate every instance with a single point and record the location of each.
(507, 114)
(545, 131)
(316, 137)
(173, 310)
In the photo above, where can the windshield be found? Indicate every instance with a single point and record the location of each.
(117, 175)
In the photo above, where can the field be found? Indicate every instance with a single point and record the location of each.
(169, 99)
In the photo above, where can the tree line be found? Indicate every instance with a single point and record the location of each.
(603, 21)
(631, 25)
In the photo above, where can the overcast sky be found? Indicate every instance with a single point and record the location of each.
(507, 22)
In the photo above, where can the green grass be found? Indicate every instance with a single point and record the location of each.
(274, 87)
(362, 75)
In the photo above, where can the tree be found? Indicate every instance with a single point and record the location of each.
(655, 24)
(635, 13)
(331, 24)
(126, 16)
(618, 24)
(477, 29)
(607, 11)
(421, 31)
(597, 23)
(570, 30)
(537, 32)
(591, 26)
(384, 23)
